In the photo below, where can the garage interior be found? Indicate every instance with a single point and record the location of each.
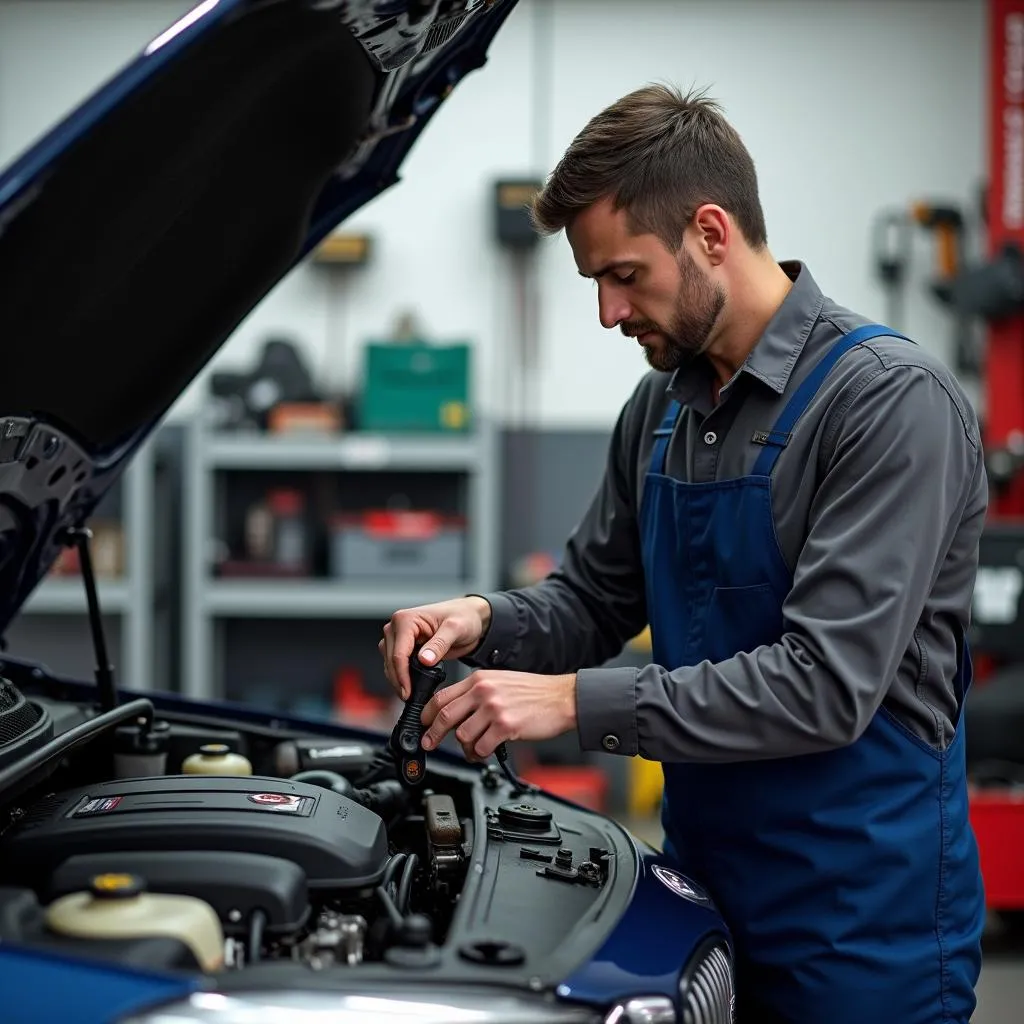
(422, 407)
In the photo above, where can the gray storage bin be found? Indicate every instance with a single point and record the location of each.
(358, 552)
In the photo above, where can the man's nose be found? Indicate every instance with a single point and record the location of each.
(612, 307)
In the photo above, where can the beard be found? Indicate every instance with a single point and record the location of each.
(698, 306)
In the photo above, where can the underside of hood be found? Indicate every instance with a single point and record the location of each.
(141, 231)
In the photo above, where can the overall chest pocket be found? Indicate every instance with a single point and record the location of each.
(742, 619)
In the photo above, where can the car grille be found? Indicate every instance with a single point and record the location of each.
(709, 996)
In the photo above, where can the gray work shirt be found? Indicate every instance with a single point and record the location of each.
(879, 500)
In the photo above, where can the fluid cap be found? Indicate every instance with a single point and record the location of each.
(116, 886)
(525, 816)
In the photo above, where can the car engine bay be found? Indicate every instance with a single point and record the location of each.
(190, 840)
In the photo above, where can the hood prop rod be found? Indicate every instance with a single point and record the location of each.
(80, 537)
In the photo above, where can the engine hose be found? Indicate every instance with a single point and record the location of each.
(326, 779)
(256, 925)
(394, 917)
(391, 871)
(387, 799)
(412, 862)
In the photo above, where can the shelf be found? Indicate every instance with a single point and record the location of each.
(320, 598)
(354, 451)
(67, 596)
(210, 603)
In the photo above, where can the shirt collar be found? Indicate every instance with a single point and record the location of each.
(772, 359)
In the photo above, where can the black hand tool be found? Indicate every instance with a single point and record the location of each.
(409, 729)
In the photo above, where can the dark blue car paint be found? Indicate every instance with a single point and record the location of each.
(649, 946)
(44, 988)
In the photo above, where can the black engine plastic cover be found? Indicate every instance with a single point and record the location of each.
(337, 842)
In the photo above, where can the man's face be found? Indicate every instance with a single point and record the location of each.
(662, 299)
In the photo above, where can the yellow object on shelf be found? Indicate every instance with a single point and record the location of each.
(646, 783)
(642, 641)
(343, 248)
(454, 415)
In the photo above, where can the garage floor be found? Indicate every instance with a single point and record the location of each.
(1001, 989)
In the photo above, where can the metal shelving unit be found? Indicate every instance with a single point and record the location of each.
(207, 601)
(348, 451)
(318, 598)
(131, 597)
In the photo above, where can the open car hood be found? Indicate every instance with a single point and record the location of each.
(139, 232)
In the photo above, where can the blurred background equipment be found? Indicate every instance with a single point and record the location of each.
(945, 226)
(514, 233)
(344, 249)
(892, 255)
(279, 378)
(416, 385)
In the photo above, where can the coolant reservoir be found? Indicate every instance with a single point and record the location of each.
(216, 759)
(118, 907)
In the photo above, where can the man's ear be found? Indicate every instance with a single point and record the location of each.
(712, 232)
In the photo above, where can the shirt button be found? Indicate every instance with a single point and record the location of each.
(495, 656)
(610, 742)
(710, 437)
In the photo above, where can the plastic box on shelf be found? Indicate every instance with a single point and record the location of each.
(416, 386)
(397, 546)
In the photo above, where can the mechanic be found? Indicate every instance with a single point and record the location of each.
(793, 500)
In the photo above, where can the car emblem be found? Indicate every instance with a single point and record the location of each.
(272, 799)
(680, 885)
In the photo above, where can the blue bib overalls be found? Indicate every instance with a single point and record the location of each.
(850, 878)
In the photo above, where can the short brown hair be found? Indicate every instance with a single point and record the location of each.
(659, 155)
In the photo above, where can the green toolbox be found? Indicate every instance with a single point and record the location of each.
(416, 386)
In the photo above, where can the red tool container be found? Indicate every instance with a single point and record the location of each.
(997, 817)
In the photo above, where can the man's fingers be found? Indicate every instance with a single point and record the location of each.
(469, 754)
(403, 640)
(472, 729)
(386, 641)
(442, 698)
(489, 742)
(435, 649)
(448, 716)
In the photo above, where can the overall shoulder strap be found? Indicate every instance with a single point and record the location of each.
(662, 436)
(777, 438)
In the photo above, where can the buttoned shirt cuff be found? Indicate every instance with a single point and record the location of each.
(606, 710)
(501, 642)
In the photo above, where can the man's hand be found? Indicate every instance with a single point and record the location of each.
(490, 707)
(450, 628)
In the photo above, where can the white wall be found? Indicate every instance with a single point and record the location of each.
(847, 106)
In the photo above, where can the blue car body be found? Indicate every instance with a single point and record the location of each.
(651, 946)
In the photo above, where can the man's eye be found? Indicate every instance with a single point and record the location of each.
(626, 278)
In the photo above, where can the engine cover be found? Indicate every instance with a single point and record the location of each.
(337, 842)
